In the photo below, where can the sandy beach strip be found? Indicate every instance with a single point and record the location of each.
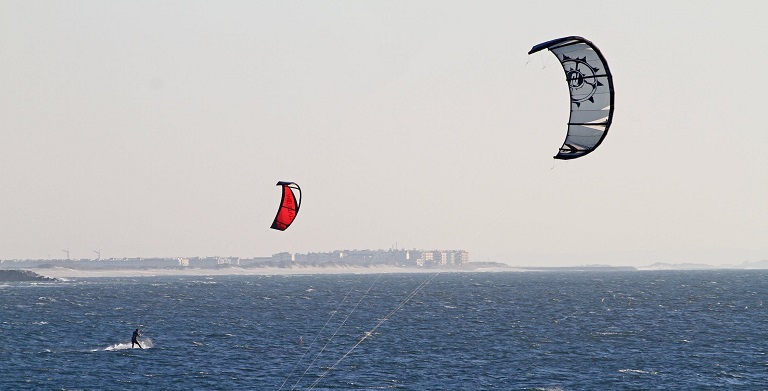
(60, 272)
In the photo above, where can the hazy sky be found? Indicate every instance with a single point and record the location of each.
(159, 128)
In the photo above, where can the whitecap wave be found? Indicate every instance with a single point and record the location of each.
(638, 372)
(146, 343)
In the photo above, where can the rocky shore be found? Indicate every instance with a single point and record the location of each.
(22, 275)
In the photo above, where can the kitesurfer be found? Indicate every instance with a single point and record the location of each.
(135, 339)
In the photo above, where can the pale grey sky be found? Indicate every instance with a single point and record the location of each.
(159, 128)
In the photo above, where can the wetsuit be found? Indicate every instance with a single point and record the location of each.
(135, 339)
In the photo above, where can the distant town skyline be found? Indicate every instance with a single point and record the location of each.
(354, 258)
(443, 255)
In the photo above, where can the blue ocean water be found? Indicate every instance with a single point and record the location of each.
(449, 331)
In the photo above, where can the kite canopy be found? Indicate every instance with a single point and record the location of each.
(289, 206)
(591, 87)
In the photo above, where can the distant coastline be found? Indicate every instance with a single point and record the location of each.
(297, 269)
(39, 270)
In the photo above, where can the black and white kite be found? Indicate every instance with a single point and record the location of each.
(591, 88)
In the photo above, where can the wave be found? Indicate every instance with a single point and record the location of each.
(146, 343)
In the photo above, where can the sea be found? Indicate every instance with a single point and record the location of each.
(611, 330)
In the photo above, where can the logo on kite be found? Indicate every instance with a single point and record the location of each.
(590, 84)
(289, 206)
(580, 75)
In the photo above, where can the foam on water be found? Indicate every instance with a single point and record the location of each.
(146, 343)
(638, 372)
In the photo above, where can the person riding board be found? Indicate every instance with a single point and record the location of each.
(135, 339)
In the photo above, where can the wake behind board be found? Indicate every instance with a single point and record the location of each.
(146, 343)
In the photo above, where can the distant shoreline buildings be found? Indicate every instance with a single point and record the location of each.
(392, 257)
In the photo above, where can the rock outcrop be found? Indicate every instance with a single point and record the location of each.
(22, 275)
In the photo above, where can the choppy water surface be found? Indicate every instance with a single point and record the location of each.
(459, 331)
